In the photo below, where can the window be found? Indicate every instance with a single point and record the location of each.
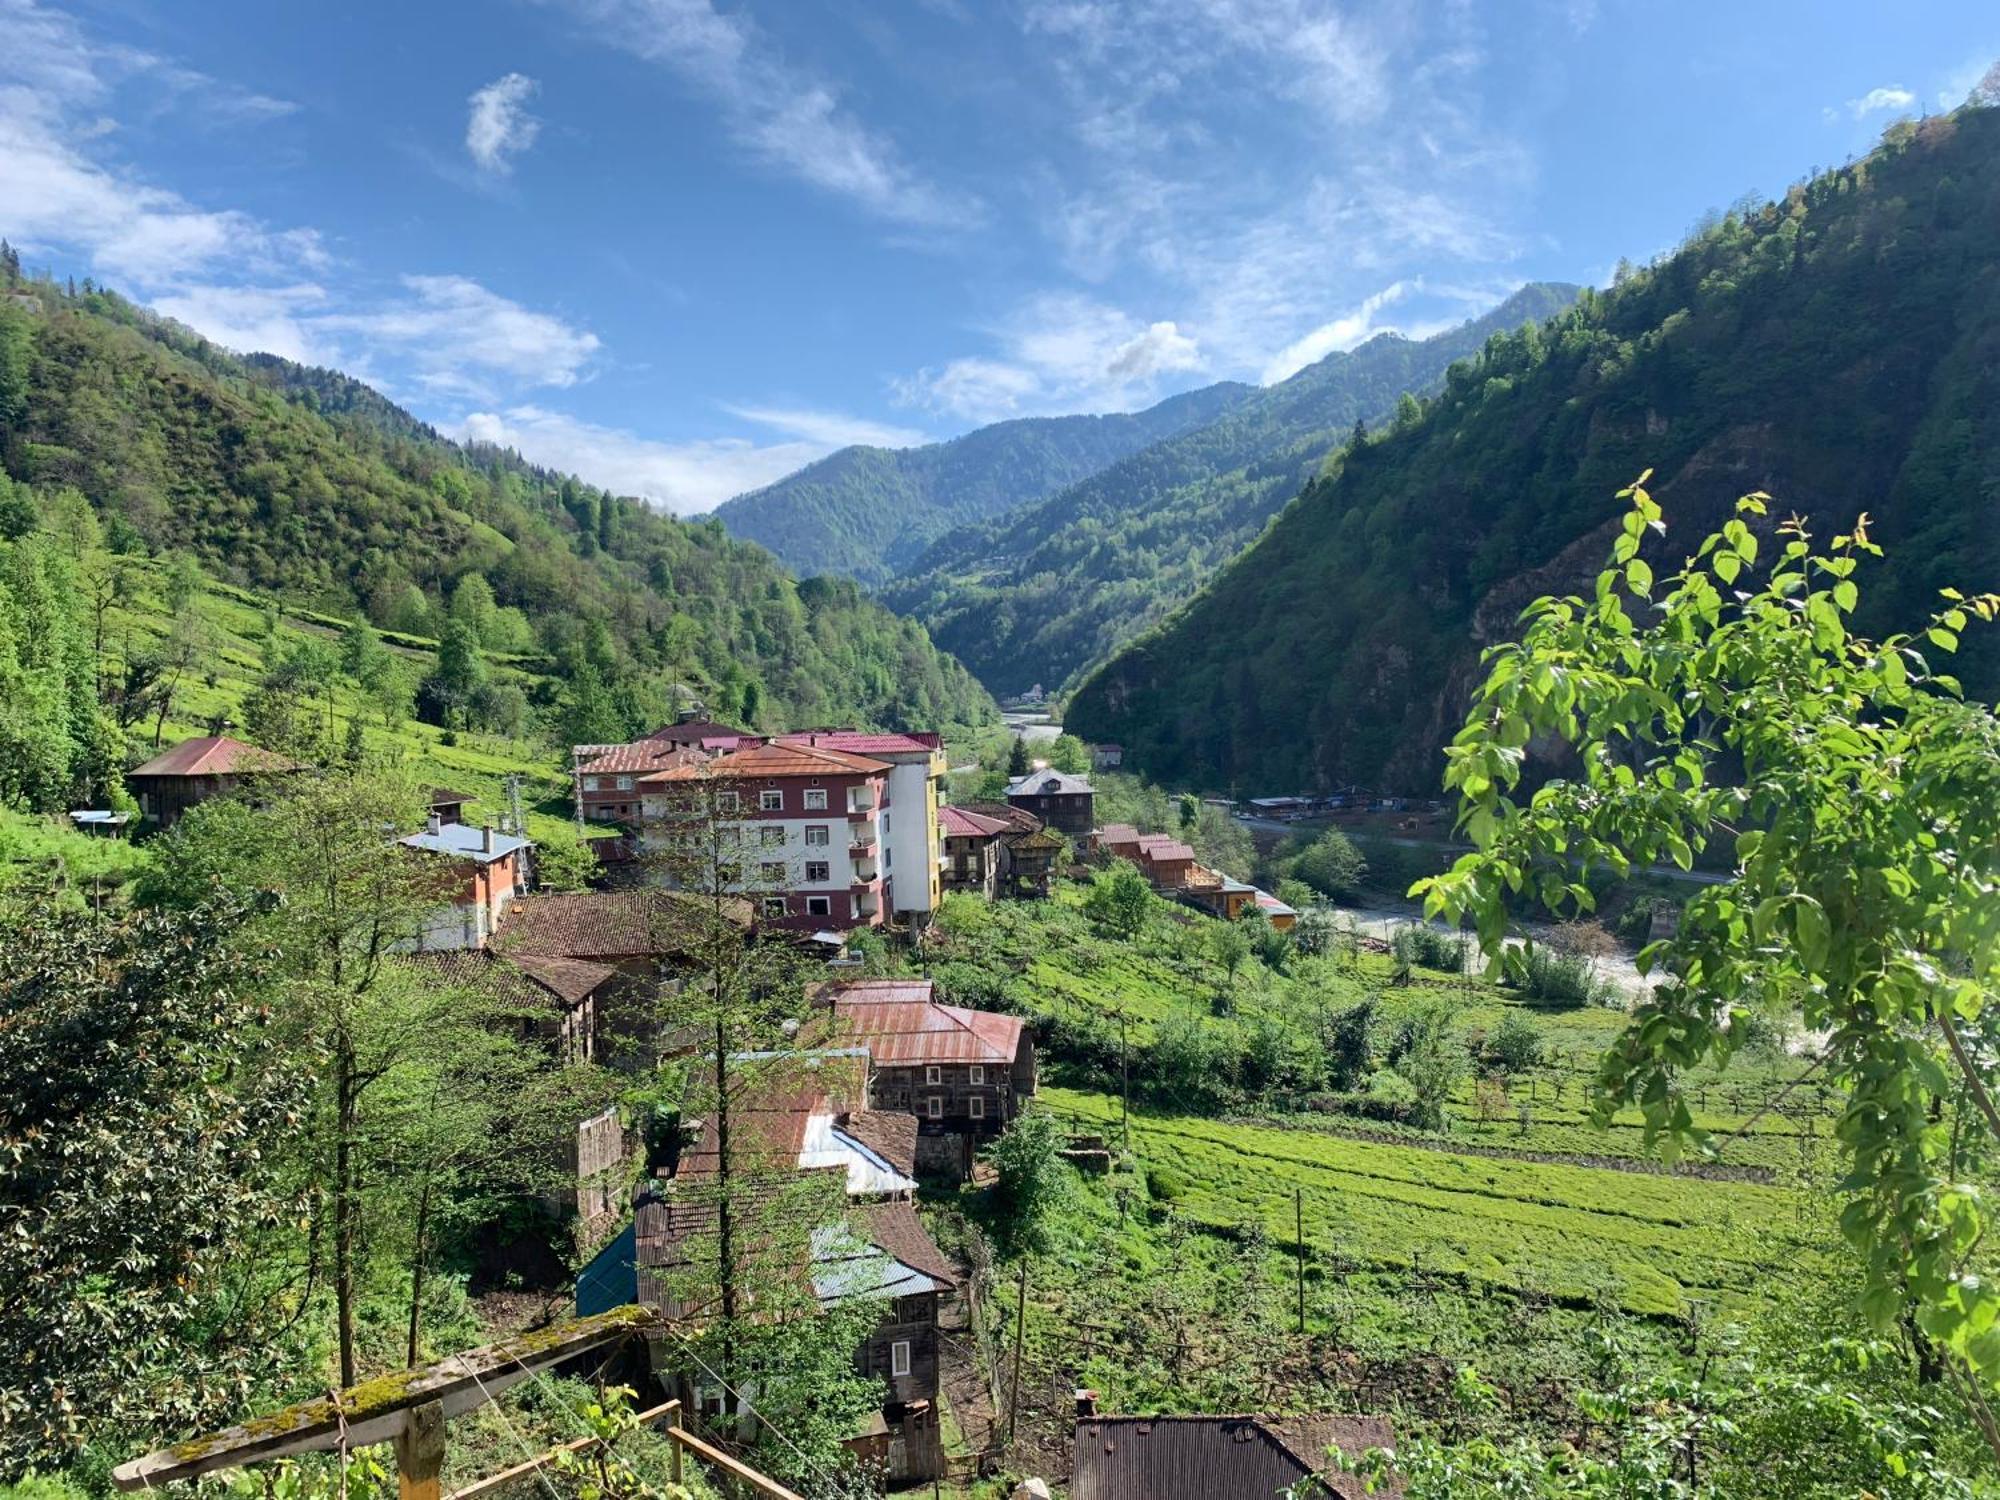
(815, 799)
(732, 833)
(590, 783)
(818, 834)
(771, 871)
(934, 1107)
(771, 801)
(888, 858)
(899, 1357)
(725, 802)
(624, 783)
(819, 906)
(818, 872)
(774, 906)
(771, 836)
(729, 873)
(976, 1107)
(978, 1074)
(933, 1075)
(885, 825)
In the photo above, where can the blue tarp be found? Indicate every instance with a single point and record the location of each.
(612, 1277)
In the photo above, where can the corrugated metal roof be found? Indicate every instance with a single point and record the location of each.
(918, 991)
(215, 755)
(1050, 783)
(856, 742)
(957, 823)
(1220, 1457)
(899, 1033)
(464, 841)
(641, 756)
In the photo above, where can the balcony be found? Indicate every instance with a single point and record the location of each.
(859, 799)
(862, 840)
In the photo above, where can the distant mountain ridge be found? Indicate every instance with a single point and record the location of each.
(867, 512)
(1040, 594)
(1838, 349)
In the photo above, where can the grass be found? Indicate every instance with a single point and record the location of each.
(1652, 1243)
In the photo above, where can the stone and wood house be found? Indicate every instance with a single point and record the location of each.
(1065, 803)
(195, 770)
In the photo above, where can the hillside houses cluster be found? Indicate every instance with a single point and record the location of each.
(1172, 868)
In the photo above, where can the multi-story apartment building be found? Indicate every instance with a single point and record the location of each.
(803, 830)
(911, 849)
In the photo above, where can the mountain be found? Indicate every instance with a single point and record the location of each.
(867, 512)
(1040, 594)
(1839, 349)
(308, 486)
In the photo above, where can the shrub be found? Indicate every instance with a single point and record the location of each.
(1424, 946)
(1432, 1063)
(1350, 1045)
(1549, 976)
(1515, 1046)
(1164, 1184)
(1119, 899)
(1032, 1180)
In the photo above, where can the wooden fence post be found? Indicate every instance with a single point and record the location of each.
(420, 1452)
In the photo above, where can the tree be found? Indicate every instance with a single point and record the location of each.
(1018, 763)
(1350, 1046)
(1031, 1182)
(1119, 899)
(1331, 865)
(54, 751)
(145, 1102)
(18, 513)
(1068, 753)
(1431, 1062)
(1228, 946)
(182, 584)
(1863, 796)
(399, 1059)
(447, 694)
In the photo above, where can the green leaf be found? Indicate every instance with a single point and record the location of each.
(1638, 576)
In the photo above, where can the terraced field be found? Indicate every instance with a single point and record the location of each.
(1652, 1243)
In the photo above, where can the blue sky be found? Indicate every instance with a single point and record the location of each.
(683, 247)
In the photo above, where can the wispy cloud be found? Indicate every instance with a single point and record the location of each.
(780, 113)
(499, 127)
(828, 429)
(1343, 332)
(1061, 352)
(686, 477)
(1877, 100)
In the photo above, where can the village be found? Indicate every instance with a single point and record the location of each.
(800, 844)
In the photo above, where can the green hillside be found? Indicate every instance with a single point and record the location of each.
(1044, 593)
(305, 486)
(1839, 349)
(868, 512)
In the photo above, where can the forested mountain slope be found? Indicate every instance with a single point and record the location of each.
(868, 512)
(1839, 349)
(1041, 594)
(311, 487)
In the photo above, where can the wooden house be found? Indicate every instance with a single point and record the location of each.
(1065, 803)
(1029, 853)
(195, 770)
(974, 851)
(963, 1073)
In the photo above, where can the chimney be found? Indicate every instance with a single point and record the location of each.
(485, 838)
(1086, 1403)
(434, 824)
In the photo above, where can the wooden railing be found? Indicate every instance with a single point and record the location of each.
(683, 1442)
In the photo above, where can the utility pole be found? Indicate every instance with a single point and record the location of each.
(1124, 1085)
(1020, 1331)
(1299, 1234)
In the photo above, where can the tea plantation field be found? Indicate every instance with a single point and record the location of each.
(1652, 1243)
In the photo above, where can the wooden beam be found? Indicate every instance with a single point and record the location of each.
(716, 1458)
(374, 1411)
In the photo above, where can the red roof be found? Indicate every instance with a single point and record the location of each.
(772, 1101)
(885, 991)
(1164, 849)
(641, 755)
(857, 743)
(900, 1032)
(960, 824)
(1117, 833)
(214, 755)
(776, 761)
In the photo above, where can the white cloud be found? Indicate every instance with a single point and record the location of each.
(782, 114)
(1876, 100)
(1341, 333)
(829, 429)
(687, 477)
(1063, 352)
(254, 319)
(458, 335)
(499, 127)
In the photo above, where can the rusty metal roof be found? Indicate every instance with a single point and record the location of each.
(214, 755)
(776, 760)
(1221, 1457)
(902, 1032)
